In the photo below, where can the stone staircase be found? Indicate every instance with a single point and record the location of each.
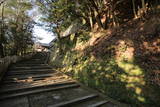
(33, 83)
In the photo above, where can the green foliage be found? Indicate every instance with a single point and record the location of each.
(123, 80)
(119, 79)
(91, 14)
(16, 27)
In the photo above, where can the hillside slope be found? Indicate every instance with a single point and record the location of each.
(123, 62)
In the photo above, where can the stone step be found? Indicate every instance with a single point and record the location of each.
(43, 87)
(29, 68)
(15, 102)
(26, 72)
(32, 62)
(35, 79)
(12, 88)
(31, 83)
(20, 77)
(29, 65)
(110, 104)
(34, 91)
(74, 101)
(16, 82)
(96, 102)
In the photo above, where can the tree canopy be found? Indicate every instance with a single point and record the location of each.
(92, 14)
(16, 27)
(105, 13)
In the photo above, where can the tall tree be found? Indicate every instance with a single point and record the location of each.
(16, 29)
(2, 32)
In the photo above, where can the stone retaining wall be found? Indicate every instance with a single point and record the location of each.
(6, 61)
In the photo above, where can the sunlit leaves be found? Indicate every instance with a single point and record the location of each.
(17, 26)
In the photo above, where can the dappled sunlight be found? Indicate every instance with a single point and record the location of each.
(130, 68)
(118, 77)
(118, 73)
(54, 55)
(109, 45)
(33, 81)
(124, 50)
(111, 68)
(134, 78)
(28, 80)
(122, 62)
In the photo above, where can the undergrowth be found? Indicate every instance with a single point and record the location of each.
(112, 66)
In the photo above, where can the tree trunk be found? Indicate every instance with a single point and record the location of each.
(91, 20)
(106, 22)
(134, 8)
(143, 4)
(98, 19)
(91, 17)
(59, 41)
(97, 14)
(2, 33)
